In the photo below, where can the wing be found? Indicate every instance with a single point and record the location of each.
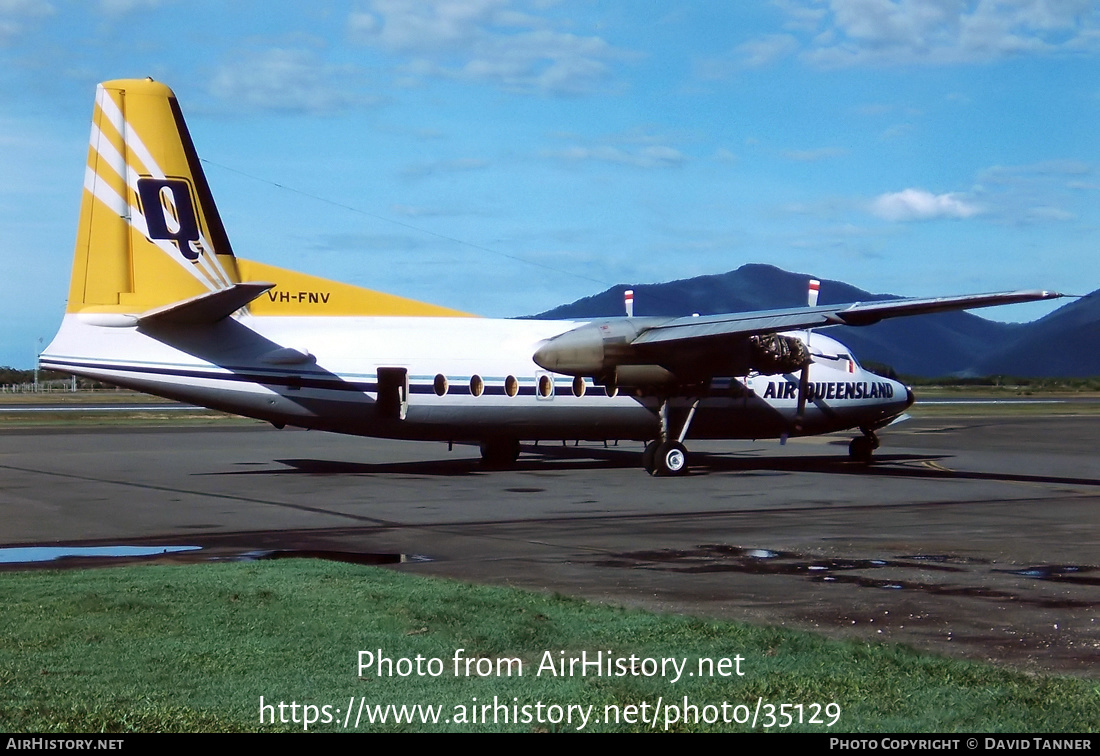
(660, 350)
(855, 314)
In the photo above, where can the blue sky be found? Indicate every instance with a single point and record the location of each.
(506, 156)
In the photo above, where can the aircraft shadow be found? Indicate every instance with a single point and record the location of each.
(447, 467)
(545, 458)
(925, 466)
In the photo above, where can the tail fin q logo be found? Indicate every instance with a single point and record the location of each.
(170, 213)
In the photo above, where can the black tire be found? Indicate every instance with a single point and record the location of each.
(649, 456)
(862, 449)
(671, 459)
(500, 452)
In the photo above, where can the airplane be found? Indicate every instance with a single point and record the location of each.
(158, 302)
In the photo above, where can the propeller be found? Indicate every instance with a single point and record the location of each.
(628, 302)
(804, 376)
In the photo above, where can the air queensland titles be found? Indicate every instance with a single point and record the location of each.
(830, 390)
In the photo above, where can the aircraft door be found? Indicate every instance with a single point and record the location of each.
(393, 393)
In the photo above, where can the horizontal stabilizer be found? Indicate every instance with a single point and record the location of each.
(205, 308)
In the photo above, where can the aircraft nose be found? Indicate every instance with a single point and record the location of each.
(909, 398)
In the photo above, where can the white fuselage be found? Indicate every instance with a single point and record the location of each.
(323, 373)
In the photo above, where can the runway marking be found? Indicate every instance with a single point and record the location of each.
(992, 401)
(931, 464)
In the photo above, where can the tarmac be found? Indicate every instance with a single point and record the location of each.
(973, 537)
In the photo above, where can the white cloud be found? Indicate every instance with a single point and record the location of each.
(649, 156)
(26, 8)
(1049, 191)
(1046, 169)
(837, 33)
(918, 205)
(763, 50)
(457, 165)
(812, 156)
(287, 80)
(125, 6)
(484, 41)
(14, 15)
(1049, 214)
(896, 131)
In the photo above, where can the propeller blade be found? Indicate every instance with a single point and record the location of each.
(628, 302)
(803, 390)
(815, 289)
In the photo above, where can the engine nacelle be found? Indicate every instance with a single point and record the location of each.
(604, 352)
(592, 350)
(774, 353)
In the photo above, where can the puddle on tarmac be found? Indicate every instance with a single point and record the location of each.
(350, 557)
(944, 558)
(27, 554)
(722, 558)
(716, 558)
(1062, 573)
(85, 556)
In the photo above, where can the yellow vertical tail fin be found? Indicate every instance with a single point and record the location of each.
(149, 232)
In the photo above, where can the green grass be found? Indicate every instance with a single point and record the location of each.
(193, 648)
(1007, 410)
(131, 418)
(136, 414)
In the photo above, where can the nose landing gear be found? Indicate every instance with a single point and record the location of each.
(862, 448)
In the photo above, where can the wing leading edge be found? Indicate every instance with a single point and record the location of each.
(678, 350)
(854, 314)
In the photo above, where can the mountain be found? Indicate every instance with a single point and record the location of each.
(1064, 343)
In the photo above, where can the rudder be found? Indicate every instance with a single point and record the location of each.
(149, 231)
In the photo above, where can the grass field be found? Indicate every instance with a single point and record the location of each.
(194, 648)
(80, 408)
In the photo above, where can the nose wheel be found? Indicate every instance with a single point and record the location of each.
(862, 448)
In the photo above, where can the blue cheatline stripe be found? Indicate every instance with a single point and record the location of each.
(299, 381)
(304, 380)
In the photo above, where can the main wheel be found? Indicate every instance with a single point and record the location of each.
(671, 459)
(649, 456)
(500, 452)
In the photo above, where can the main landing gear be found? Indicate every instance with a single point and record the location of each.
(862, 448)
(665, 456)
(499, 453)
